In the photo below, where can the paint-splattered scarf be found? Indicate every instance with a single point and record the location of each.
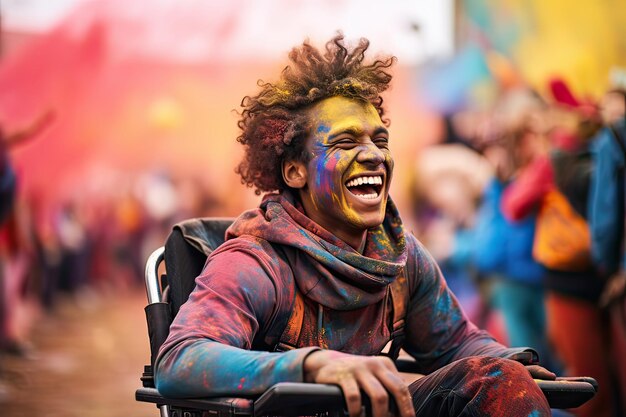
(326, 269)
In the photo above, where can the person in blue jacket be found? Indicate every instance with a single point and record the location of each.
(607, 226)
(606, 202)
(503, 254)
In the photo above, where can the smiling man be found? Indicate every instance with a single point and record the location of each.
(312, 285)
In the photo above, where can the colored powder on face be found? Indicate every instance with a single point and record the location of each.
(323, 129)
(534, 413)
(497, 372)
(321, 168)
(331, 164)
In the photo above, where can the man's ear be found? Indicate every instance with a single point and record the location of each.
(294, 174)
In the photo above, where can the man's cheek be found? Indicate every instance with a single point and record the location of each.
(325, 188)
(332, 170)
(389, 163)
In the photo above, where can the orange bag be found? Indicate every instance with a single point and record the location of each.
(562, 238)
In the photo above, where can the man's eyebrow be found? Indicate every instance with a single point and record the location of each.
(380, 130)
(355, 131)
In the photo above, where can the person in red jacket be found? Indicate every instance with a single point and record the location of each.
(327, 234)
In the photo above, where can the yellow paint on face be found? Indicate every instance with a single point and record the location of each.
(347, 140)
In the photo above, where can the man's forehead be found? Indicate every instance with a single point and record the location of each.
(340, 111)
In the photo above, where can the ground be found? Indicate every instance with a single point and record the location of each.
(88, 356)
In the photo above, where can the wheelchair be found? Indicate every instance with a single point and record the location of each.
(184, 254)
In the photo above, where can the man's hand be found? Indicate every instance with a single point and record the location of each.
(377, 376)
(539, 372)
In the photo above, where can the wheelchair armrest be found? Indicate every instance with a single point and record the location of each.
(298, 399)
(293, 399)
(287, 399)
(568, 392)
(222, 406)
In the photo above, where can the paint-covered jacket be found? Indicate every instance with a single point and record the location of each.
(218, 341)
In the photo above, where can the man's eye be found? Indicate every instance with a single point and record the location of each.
(381, 142)
(345, 143)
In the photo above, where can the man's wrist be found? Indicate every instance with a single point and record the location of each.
(307, 369)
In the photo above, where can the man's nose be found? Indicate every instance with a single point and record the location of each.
(371, 154)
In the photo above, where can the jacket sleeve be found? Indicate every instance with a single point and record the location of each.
(525, 194)
(438, 331)
(603, 208)
(207, 352)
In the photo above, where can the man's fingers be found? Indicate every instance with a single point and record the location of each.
(540, 372)
(352, 395)
(375, 377)
(398, 388)
(388, 363)
(379, 398)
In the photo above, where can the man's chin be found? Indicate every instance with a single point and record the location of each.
(364, 218)
(370, 221)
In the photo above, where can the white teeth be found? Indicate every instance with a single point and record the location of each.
(365, 180)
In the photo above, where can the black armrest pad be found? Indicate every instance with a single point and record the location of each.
(282, 399)
(297, 399)
(233, 407)
(568, 392)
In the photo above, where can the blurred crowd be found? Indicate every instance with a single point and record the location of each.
(91, 241)
(523, 207)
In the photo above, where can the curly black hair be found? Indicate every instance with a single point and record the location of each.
(273, 123)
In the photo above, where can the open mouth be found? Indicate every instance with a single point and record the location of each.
(366, 187)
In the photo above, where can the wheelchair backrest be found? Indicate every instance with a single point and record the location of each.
(186, 251)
